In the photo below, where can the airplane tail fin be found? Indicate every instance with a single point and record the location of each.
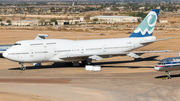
(146, 27)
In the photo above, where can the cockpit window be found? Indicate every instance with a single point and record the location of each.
(161, 63)
(17, 44)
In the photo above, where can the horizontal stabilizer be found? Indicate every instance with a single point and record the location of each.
(166, 39)
(148, 41)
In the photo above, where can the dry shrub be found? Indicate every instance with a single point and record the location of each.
(96, 29)
(127, 29)
(86, 30)
(108, 28)
(102, 34)
(129, 33)
(79, 30)
(172, 22)
(62, 29)
(50, 28)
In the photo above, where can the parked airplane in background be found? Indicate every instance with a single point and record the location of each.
(3, 48)
(168, 64)
(59, 50)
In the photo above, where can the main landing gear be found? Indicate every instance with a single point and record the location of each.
(86, 62)
(23, 67)
(168, 74)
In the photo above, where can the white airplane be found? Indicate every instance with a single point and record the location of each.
(59, 50)
(168, 65)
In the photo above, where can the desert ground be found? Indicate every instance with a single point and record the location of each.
(121, 78)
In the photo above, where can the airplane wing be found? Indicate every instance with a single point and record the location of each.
(100, 56)
(137, 54)
(148, 41)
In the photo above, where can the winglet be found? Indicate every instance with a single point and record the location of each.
(146, 27)
(41, 36)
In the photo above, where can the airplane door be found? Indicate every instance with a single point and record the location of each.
(82, 50)
(45, 49)
(31, 53)
(54, 50)
(134, 45)
(104, 48)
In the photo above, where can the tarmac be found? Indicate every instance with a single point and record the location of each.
(119, 79)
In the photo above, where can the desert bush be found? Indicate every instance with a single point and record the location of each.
(129, 33)
(102, 34)
(8, 21)
(23, 18)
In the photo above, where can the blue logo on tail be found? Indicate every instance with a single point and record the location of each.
(146, 27)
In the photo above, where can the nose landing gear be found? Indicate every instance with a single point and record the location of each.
(23, 67)
(168, 74)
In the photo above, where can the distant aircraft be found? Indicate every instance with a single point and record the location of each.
(59, 50)
(3, 48)
(168, 64)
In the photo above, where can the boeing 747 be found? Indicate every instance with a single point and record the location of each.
(60, 50)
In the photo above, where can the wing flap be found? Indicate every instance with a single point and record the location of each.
(137, 54)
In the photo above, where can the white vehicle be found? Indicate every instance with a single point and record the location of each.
(59, 50)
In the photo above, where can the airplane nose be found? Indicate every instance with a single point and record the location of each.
(5, 54)
(156, 68)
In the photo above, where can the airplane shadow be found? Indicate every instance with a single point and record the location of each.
(127, 67)
(164, 76)
(55, 65)
(1, 56)
(40, 67)
(152, 58)
(62, 65)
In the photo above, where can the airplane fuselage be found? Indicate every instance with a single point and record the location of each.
(58, 50)
(168, 64)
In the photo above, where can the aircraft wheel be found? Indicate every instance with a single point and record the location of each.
(68, 64)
